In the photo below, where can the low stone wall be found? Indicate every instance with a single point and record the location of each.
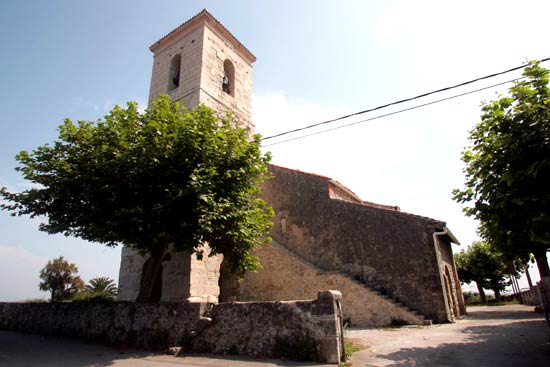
(306, 330)
(141, 325)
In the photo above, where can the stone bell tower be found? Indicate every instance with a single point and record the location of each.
(202, 62)
(198, 62)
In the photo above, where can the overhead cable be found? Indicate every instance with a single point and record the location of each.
(400, 101)
(393, 113)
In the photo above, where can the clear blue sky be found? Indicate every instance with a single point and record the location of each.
(316, 60)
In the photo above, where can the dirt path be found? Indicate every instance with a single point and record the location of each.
(488, 336)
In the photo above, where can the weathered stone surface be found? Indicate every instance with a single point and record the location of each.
(252, 328)
(389, 250)
(286, 276)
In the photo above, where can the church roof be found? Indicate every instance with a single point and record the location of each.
(204, 17)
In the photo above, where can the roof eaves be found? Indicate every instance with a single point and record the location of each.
(212, 21)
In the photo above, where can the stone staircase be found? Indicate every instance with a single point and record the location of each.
(363, 305)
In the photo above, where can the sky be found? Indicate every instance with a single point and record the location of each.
(316, 60)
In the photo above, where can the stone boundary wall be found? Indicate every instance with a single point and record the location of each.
(308, 330)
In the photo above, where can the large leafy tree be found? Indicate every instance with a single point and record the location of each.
(508, 170)
(60, 278)
(154, 181)
(482, 265)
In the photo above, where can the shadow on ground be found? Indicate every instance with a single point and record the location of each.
(513, 344)
(494, 312)
(23, 350)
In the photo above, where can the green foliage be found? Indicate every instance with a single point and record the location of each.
(36, 300)
(102, 286)
(471, 298)
(149, 180)
(508, 169)
(88, 296)
(60, 278)
(100, 289)
(480, 263)
(350, 348)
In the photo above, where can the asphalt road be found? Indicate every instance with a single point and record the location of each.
(23, 350)
(488, 336)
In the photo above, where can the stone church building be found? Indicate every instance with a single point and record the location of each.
(389, 265)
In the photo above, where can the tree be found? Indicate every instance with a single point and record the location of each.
(508, 170)
(166, 179)
(60, 278)
(102, 286)
(482, 265)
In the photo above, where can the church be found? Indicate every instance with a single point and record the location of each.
(392, 267)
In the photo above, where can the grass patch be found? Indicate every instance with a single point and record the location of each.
(352, 345)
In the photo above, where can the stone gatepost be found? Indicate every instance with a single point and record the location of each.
(332, 347)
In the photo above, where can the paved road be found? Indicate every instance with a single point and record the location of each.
(23, 350)
(488, 336)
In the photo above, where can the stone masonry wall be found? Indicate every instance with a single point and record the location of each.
(183, 277)
(387, 249)
(205, 275)
(190, 47)
(131, 265)
(216, 51)
(457, 306)
(286, 277)
(142, 325)
(256, 328)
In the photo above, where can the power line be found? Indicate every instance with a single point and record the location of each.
(400, 101)
(395, 112)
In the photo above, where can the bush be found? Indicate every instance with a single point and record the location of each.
(93, 297)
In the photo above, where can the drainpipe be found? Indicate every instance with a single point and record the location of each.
(442, 280)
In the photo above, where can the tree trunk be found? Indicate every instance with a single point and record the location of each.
(529, 278)
(481, 292)
(542, 263)
(497, 294)
(151, 274)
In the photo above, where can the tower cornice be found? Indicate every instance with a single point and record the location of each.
(205, 18)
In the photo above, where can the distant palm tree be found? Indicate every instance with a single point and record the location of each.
(102, 286)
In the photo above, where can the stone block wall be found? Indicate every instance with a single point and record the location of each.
(141, 325)
(252, 328)
(216, 51)
(455, 298)
(184, 276)
(129, 277)
(204, 45)
(205, 275)
(190, 47)
(390, 250)
(286, 276)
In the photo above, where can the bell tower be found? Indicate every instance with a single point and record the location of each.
(202, 62)
(198, 62)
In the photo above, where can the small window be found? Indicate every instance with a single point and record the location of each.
(174, 76)
(228, 82)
